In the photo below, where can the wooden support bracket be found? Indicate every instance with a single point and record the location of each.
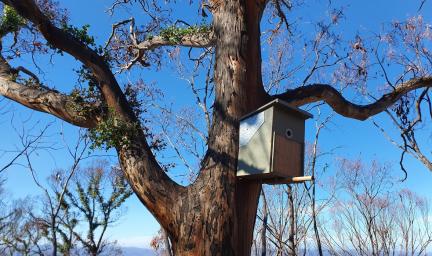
(288, 180)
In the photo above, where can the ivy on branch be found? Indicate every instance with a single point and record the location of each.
(112, 132)
(11, 21)
(174, 34)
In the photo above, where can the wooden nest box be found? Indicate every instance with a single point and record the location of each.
(272, 144)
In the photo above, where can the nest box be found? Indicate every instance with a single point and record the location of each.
(272, 143)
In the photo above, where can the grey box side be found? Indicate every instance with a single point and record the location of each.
(254, 157)
(272, 147)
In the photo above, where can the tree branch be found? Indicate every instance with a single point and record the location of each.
(147, 178)
(41, 98)
(64, 41)
(50, 101)
(195, 39)
(324, 92)
(200, 40)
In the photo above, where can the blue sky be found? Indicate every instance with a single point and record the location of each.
(353, 138)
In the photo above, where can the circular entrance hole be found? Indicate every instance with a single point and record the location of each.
(289, 133)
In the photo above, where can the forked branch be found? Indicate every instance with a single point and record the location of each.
(150, 182)
(191, 36)
(64, 41)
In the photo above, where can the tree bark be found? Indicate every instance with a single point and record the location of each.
(167, 243)
(292, 223)
(264, 228)
(216, 214)
(315, 220)
(54, 236)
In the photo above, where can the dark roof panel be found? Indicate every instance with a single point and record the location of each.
(283, 105)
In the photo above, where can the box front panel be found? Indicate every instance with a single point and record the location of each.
(288, 157)
(285, 124)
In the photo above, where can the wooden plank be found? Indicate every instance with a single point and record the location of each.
(288, 157)
(288, 180)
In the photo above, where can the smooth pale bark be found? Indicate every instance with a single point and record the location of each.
(196, 41)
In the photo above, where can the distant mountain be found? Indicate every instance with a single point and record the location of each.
(135, 251)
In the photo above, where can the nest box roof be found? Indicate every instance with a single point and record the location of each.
(277, 103)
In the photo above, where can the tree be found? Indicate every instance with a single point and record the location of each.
(96, 210)
(295, 210)
(369, 213)
(54, 224)
(214, 215)
(21, 233)
(72, 220)
(372, 217)
(57, 222)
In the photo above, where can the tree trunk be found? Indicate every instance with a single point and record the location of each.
(291, 236)
(54, 237)
(315, 220)
(167, 243)
(264, 228)
(216, 214)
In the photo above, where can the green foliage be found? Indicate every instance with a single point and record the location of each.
(94, 204)
(112, 132)
(80, 33)
(83, 101)
(132, 93)
(96, 199)
(11, 21)
(132, 96)
(86, 75)
(175, 34)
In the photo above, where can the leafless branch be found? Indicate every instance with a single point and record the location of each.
(324, 92)
(26, 146)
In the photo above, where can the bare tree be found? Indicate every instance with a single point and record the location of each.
(21, 233)
(284, 220)
(375, 218)
(414, 110)
(289, 220)
(55, 225)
